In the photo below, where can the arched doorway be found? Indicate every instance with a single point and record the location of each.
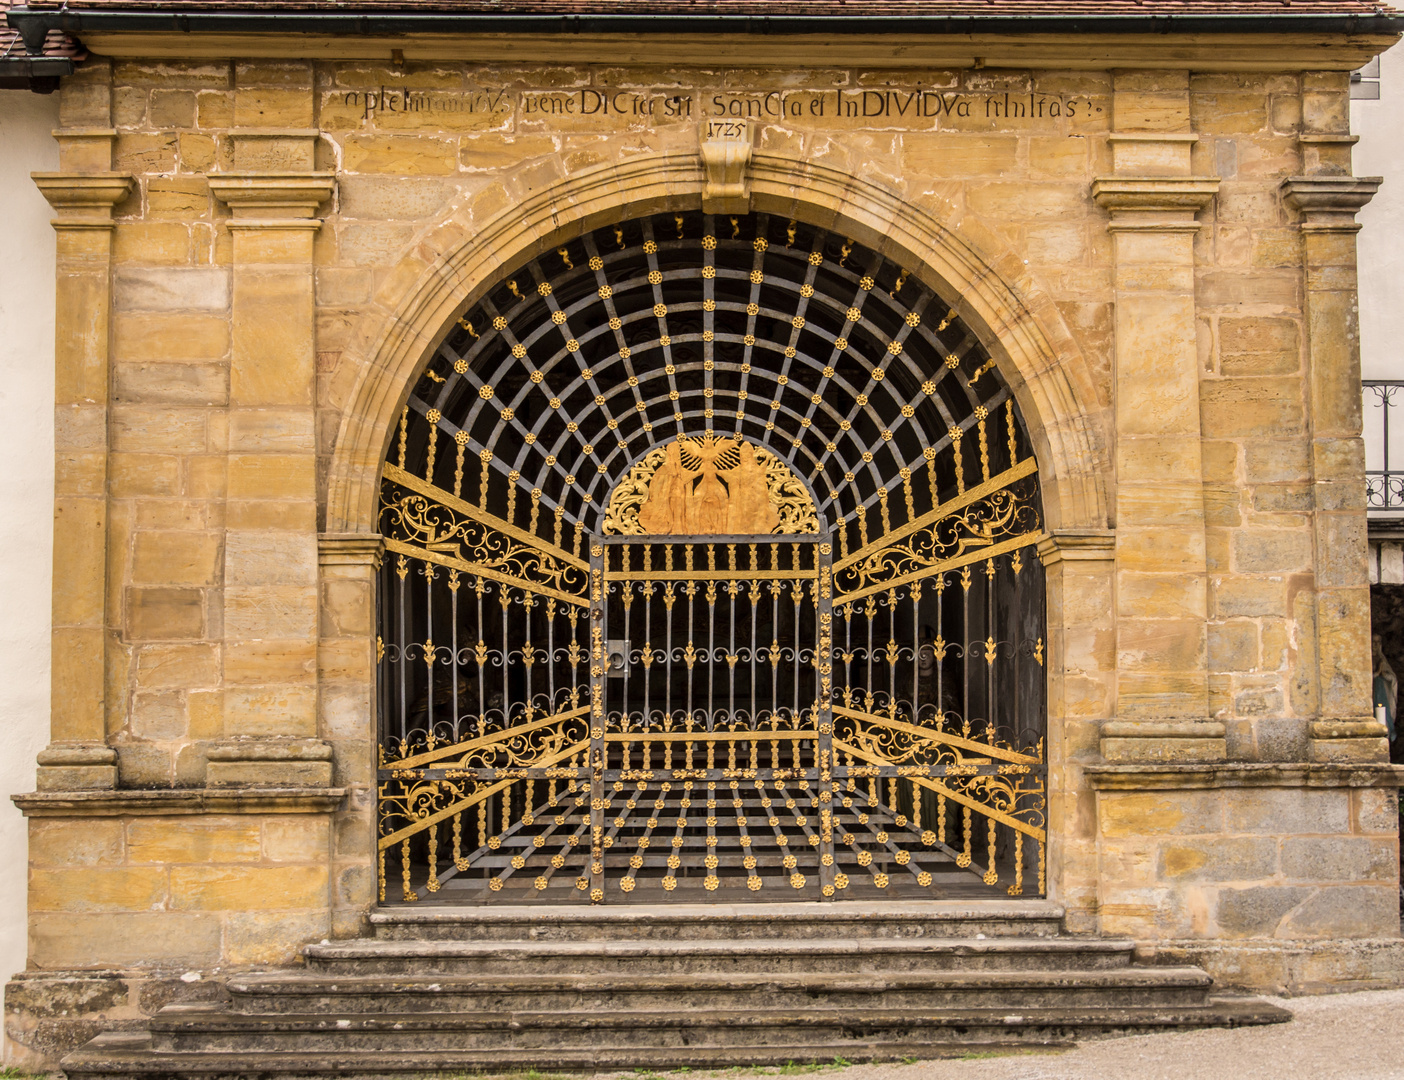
(710, 575)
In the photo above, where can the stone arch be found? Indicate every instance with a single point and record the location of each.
(456, 262)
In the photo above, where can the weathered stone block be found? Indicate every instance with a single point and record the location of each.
(61, 843)
(165, 614)
(172, 383)
(95, 888)
(159, 715)
(1346, 911)
(297, 838)
(260, 938)
(203, 840)
(1284, 811)
(1257, 911)
(1233, 646)
(168, 290)
(175, 558)
(1228, 859)
(248, 888)
(177, 666)
(1339, 858)
(1160, 813)
(129, 938)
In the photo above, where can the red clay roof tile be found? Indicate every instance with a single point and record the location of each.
(1003, 9)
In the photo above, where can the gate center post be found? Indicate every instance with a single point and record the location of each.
(823, 663)
(597, 721)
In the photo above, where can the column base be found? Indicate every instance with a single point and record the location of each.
(1163, 741)
(76, 767)
(1350, 741)
(270, 763)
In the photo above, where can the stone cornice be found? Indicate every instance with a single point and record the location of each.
(852, 43)
(1240, 774)
(287, 197)
(179, 801)
(83, 200)
(1329, 203)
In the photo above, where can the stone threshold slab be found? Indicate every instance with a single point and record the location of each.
(829, 910)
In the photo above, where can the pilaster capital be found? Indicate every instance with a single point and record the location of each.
(350, 549)
(1330, 203)
(1154, 203)
(273, 199)
(1152, 137)
(1077, 546)
(83, 200)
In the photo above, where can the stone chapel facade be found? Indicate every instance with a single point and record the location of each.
(286, 234)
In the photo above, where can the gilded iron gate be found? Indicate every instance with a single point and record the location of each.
(710, 573)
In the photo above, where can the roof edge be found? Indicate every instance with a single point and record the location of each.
(33, 23)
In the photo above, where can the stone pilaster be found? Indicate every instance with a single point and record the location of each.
(347, 654)
(270, 548)
(1161, 576)
(1328, 203)
(1080, 569)
(1161, 581)
(78, 756)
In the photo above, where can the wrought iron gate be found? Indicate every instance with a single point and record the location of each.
(709, 573)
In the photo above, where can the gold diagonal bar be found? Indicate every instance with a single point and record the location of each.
(936, 735)
(484, 740)
(406, 479)
(953, 563)
(941, 789)
(473, 800)
(975, 494)
(401, 548)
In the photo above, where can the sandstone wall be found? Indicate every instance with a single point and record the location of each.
(1184, 352)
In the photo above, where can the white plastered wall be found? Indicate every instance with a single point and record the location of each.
(1380, 152)
(1380, 253)
(26, 482)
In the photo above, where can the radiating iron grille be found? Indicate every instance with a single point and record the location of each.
(814, 671)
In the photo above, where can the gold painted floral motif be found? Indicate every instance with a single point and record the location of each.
(710, 485)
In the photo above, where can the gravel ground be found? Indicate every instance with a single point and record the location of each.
(1336, 1037)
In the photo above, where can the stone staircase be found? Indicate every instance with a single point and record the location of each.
(450, 989)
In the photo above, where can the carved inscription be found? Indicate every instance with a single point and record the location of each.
(914, 106)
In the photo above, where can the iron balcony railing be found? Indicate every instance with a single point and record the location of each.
(1384, 456)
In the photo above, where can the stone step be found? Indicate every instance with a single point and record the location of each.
(918, 919)
(371, 995)
(823, 956)
(122, 1055)
(210, 1029)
